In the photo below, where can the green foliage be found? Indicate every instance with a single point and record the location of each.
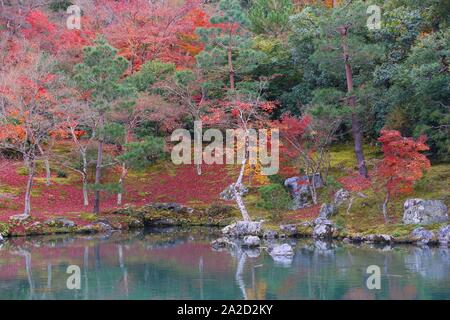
(274, 197)
(150, 72)
(61, 173)
(100, 73)
(142, 153)
(60, 5)
(4, 229)
(270, 16)
(233, 38)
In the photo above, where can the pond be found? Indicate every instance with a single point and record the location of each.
(180, 264)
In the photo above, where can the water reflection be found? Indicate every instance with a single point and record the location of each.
(180, 264)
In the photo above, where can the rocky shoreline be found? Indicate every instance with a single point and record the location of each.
(250, 234)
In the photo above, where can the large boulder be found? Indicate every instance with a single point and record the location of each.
(243, 228)
(444, 235)
(419, 211)
(327, 210)
(323, 228)
(422, 235)
(251, 242)
(299, 189)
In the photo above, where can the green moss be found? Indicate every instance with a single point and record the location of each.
(88, 216)
(4, 229)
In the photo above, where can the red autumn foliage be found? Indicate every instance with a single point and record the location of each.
(403, 162)
(355, 182)
(145, 30)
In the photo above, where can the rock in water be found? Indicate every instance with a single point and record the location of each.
(251, 241)
(444, 235)
(221, 243)
(419, 211)
(422, 235)
(243, 228)
(327, 210)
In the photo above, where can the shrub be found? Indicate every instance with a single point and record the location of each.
(274, 197)
(61, 174)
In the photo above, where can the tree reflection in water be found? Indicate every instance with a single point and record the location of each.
(181, 264)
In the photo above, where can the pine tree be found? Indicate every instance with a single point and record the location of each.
(100, 76)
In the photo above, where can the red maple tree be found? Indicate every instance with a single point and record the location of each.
(402, 165)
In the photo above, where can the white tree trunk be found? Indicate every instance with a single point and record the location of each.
(31, 168)
(85, 180)
(237, 186)
(123, 174)
(48, 173)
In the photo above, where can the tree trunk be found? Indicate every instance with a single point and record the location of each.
(356, 124)
(48, 173)
(123, 174)
(85, 181)
(231, 67)
(85, 191)
(385, 207)
(98, 170)
(98, 176)
(31, 168)
(239, 201)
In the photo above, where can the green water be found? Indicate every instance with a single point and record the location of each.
(180, 264)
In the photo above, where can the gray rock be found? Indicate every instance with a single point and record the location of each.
(299, 189)
(163, 222)
(103, 225)
(444, 235)
(341, 196)
(60, 222)
(228, 193)
(1, 238)
(422, 235)
(378, 238)
(221, 243)
(243, 228)
(327, 210)
(419, 211)
(270, 234)
(323, 228)
(171, 206)
(289, 229)
(251, 241)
